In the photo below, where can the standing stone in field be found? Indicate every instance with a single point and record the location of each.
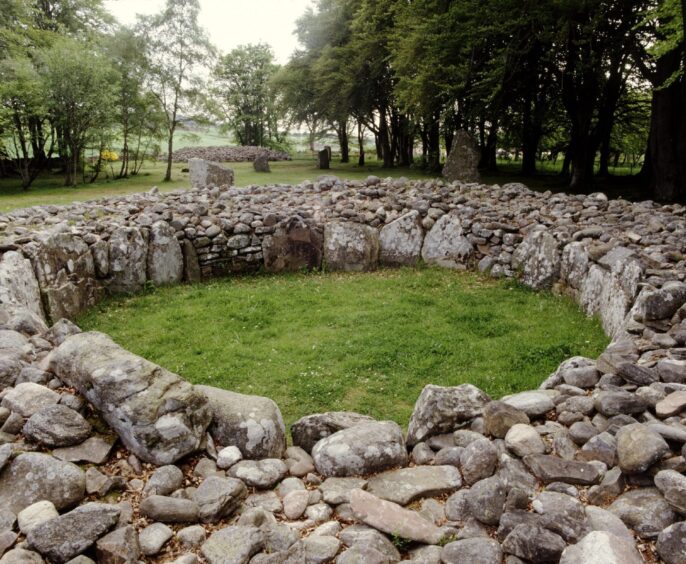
(323, 159)
(401, 240)
(463, 160)
(445, 245)
(294, 246)
(351, 247)
(538, 259)
(165, 258)
(204, 174)
(252, 423)
(261, 163)
(128, 260)
(442, 409)
(66, 274)
(157, 415)
(18, 285)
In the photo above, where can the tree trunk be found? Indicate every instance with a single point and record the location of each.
(433, 139)
(343, 142)
(360, 141)
(665, 161)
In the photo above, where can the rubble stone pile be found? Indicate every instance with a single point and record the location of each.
(226, 154)
(106, 456)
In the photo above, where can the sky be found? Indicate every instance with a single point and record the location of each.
(233, 22)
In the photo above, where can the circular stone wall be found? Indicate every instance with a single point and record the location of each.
(572, 469)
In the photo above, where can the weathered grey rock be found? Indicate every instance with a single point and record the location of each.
(363, 449)
(611, 403)
(671, 542)
(218, 498)
(463, 161)
(33, 477)
(500, 416)
(252, 423)
(478, 461)
(486, 500)
(550, 469)
(538, 259)
(157, 415)
(533, 403)
(644, 510)
(234, 544)
(523, 440)
(295, 503)
(401, 240)
(361, 553)
(337, 490)
(350, 247)
(128, 260)
(21, 556)
(66, 274)
(662, 303)
(362, 535)
(170, 509)
(165, 258)
(562, 514)
(154, 537)
(599, 519)
(408, 484)
(29, 398)
(639, 447)
(35, 514)
(672, 484)
(294, 246)
(262, 474)
(441, 409)
(18, 285)
(68, 535)
(308, 430)
(204, 174)
(600, 547)
(261, 163)
(579, 371)
(120, 546)
(298, 461)
(192, 536)
(57, 426)
(534, 543)
(391, 518)
(164, 480)
(673, 404)
(228, 456)
(94, 450)
(475, 551)
(446, 245)
(320, 549)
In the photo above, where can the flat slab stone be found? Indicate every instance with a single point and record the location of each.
(393, 519)
(548, 469)
(534, 404)
(29, 398)
(407, 484)
(233, 544)
(94, 450)
(673, 404)
(601, 547)
(337, 490)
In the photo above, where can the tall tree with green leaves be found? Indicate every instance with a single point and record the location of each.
(178, 47)
(245, 100)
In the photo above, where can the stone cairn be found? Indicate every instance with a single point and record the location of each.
(107, 456)
(225, 154)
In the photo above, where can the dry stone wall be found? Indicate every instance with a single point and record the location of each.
(105, 455)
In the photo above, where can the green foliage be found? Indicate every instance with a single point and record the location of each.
(245, 100)
(366, 343)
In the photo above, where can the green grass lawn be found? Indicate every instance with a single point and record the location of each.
(361, 342)
(49, 189)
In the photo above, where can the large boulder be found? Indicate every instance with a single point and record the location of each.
(128, 260)
(538, 259)
(252, 423)
(66, 274)
(294, 246)
(157, 415)
(363, 449)
(442, 409)
(401, 240)
(463, 161)
(309, 430)
(34, 476)
(351, 247)
(165, 258)
(18, 285)
(445, 244)
(204, 174)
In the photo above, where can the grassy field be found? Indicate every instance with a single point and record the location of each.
(49, 189)
(362, 342)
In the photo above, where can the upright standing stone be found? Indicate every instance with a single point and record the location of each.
(165, 258)
(323, 159)
(204, 174)
(261, 163)
(351, 247)
(463, 160)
